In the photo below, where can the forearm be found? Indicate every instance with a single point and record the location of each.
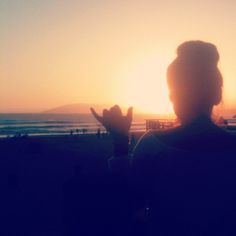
(119, 163)
(120, 144)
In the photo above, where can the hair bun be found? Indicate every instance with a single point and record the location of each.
(198, 52)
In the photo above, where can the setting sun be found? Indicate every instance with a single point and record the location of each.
(143, 84)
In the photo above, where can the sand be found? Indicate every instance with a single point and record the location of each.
(34, 172)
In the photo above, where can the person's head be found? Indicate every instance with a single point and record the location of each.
(194, 80)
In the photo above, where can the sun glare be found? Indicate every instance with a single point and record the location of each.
(143, 86)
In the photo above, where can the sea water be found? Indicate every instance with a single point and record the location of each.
(54, 124)
(61, 124)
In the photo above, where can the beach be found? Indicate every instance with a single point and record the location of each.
(34, 172)
(41, 176)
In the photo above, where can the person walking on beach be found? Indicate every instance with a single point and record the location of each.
(183, 178)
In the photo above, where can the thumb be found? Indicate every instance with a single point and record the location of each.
(95, 114)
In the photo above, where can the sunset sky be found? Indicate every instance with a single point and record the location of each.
(56, 52)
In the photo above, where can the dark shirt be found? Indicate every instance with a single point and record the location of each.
(187, 178)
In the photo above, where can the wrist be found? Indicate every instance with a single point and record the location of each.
(120, 144)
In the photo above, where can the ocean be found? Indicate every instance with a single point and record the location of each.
(54, 124)
(61, 124)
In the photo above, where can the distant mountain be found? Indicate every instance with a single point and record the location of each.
(82, 108)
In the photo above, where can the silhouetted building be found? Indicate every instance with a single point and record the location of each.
(158, 124)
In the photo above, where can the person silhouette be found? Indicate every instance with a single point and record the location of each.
(184, 177)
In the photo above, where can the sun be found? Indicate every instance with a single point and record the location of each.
(143, 86)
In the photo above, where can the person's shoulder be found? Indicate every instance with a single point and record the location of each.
(169, 136)
(147, 138)
(150, 152)
(209, 138)
(168, 132)
(148, 145)
(144, 155)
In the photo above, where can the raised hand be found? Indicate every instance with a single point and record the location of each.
(114, 121)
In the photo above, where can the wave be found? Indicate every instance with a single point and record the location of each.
(45, 124)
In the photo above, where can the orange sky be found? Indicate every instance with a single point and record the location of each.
(57, 52)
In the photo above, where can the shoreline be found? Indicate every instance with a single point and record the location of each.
(65, 135)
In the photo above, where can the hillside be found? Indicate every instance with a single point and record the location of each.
(81, 108)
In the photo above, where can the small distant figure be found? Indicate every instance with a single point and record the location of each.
(17, 135)
(98, 133)
(77, 131)
(71, 132)
(25, 135)
(103, 134)
(84, 131)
